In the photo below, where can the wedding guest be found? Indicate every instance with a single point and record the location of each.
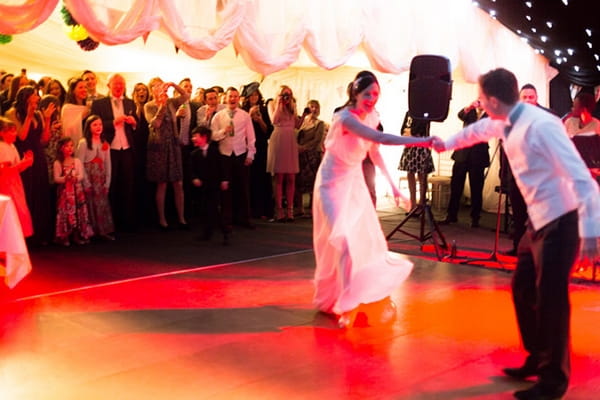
(11, 166)
(94, 153)
(33, 133)
(119, 123)
(164, 163)
(310, 142)
(72, 217)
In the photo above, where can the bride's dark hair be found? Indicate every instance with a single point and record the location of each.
(363, 80)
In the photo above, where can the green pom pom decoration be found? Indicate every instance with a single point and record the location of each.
(5, 39)
(67, 17)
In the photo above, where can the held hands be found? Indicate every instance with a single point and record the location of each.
(438, 144)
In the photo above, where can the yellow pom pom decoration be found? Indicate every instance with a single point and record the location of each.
(77, 33)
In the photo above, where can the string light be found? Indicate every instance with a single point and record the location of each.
(544, 38)
(549, 24)
(570, 51)
(528, 4)
(588, 31)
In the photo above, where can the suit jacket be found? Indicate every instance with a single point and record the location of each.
(211, 169)
(103, 108)
(477, 155)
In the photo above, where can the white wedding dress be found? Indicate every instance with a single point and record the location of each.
(354, 265)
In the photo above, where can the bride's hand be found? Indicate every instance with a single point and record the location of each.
(400, 200)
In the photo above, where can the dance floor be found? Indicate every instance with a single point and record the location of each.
(245, 328)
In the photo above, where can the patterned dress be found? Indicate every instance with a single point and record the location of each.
(416, 159)
(71, 206)
(163, 163)
(310, 139)
(96, 181)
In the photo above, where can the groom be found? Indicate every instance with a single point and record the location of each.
(563, 202)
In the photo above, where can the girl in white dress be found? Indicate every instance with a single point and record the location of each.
(354, 267)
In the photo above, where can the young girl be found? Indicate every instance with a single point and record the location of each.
(72, 219)
(10, 168)
(94, 153)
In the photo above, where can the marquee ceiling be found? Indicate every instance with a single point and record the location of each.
(567, 32)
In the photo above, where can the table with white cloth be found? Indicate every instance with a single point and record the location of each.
(14, 258)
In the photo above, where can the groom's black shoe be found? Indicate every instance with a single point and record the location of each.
(524, 372)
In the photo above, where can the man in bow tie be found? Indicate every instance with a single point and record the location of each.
(563, 202)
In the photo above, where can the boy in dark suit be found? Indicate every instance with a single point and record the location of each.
(210, 176)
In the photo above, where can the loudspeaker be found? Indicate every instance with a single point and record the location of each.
(429, 88)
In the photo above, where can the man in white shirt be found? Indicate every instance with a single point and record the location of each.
(232, 128)
(564, 205)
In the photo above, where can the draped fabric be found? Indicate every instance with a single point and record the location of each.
(24, 15)
(269, 35)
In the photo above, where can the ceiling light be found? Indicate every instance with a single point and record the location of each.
(549, 24)
(570, 51)
(528, 17)
(519, 31)
(576, 68)
(565, 2)
(544, 38)
(533, 30)
(558, 61)
(528, 4)
(589, 32)
(493, 13)
(597, 57)
(589, 44)
(557, 52)
(524, 39)
(564, 59)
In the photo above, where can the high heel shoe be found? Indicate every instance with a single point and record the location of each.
(278, 215)
(290, 215)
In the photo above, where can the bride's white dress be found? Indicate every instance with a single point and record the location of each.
(354, 265)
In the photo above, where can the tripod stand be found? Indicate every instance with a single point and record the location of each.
(434, 233)
(493, 257)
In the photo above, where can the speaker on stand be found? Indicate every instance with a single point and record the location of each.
(429, 93)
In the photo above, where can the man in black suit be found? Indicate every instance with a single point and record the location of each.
(470, 160)
(118, 118)
(186, 121)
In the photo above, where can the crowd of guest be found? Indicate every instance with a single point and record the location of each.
(94, 163)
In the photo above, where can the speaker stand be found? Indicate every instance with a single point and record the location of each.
(493, 257)
(433, 233)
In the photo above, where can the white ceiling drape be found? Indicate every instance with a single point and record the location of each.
(269, 35)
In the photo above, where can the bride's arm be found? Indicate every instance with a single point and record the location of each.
(353, 125)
